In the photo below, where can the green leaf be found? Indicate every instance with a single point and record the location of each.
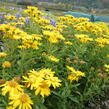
(74, 99)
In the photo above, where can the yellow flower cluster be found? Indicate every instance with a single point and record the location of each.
(41, 81)
(27, 41)
(36, 15)
(18, 98)
(12, 32)
(100, 30)
(71, 20)
(10, 17)
(30, 44)
(88, 27)
(102, 41)
(48, 27)
(58, 27)
(53, 36)
(74, 76)
(53, 33)
(83, 38)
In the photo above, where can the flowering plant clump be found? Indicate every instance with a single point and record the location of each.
(46, 61)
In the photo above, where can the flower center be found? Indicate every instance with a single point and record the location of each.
(24, 98)
(12, 84)
(43, 85)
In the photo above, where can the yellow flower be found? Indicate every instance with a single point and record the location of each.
(52, 58)
(75, 74)
(32, 81)
(48, 27)
(10, 17)
(106, 68)
(22, 19)
(68, 43)
(11, 87)
(71, 69)
(37, 36)
(32, 8)
(54, 81)
(37, 74)
(83, 38)
(41, 81)
(102, 41)
(6, 64)
(21, 101)
(72, 77)
(30, 44)
(53, 36)
(42, 21)
(2, 54)
(43, 89)
(79, 73)
(46, 72)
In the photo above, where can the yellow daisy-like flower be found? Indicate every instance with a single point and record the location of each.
(52, 58)
(11, 87)
(6, 64)
(37, 74)
(80, 74)
(22, 19)
(43, 89)
(21, 101)
(2, 54)
(32, 81)
(71, 69)
(72, 77)
(68, 43)
(46, 72)
(54, 81)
